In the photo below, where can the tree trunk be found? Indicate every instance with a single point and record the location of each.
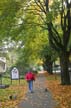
(64, 61)
(48, 66)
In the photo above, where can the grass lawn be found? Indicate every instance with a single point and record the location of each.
(16, 90)
(54, 77)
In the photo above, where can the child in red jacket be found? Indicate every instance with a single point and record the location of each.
(30, 77)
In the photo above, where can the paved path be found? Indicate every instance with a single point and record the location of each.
(40, 98)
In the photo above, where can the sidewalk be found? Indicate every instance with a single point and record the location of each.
(40, 98)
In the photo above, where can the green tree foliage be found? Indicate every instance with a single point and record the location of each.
(20, 19)
(49, 56)
(55, 17)
(34, 36)
(34, 41)
(59, 32)
(61, 42)
(8, 11)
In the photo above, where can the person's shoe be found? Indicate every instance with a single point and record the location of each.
(32, 92)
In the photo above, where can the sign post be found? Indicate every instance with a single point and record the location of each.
(15, 74)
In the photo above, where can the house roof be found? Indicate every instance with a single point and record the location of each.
(3, 59)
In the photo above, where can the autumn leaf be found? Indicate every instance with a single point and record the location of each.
(62, 94)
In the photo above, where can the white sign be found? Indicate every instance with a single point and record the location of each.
(15, 73)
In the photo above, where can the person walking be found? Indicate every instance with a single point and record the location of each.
(30, 77)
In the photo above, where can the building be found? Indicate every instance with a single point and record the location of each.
(2, 64)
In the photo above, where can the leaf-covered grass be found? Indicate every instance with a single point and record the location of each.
(14, 89)
(53, 77)
(62, 94)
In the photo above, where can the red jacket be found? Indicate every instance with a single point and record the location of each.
(30, 76)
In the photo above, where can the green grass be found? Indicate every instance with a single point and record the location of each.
(5, 93)
(13, 82)
(53, 77)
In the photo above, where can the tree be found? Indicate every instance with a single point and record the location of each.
(53, 16)
(59, 33)
(34, 41)
(48, 56)
(62, 43)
